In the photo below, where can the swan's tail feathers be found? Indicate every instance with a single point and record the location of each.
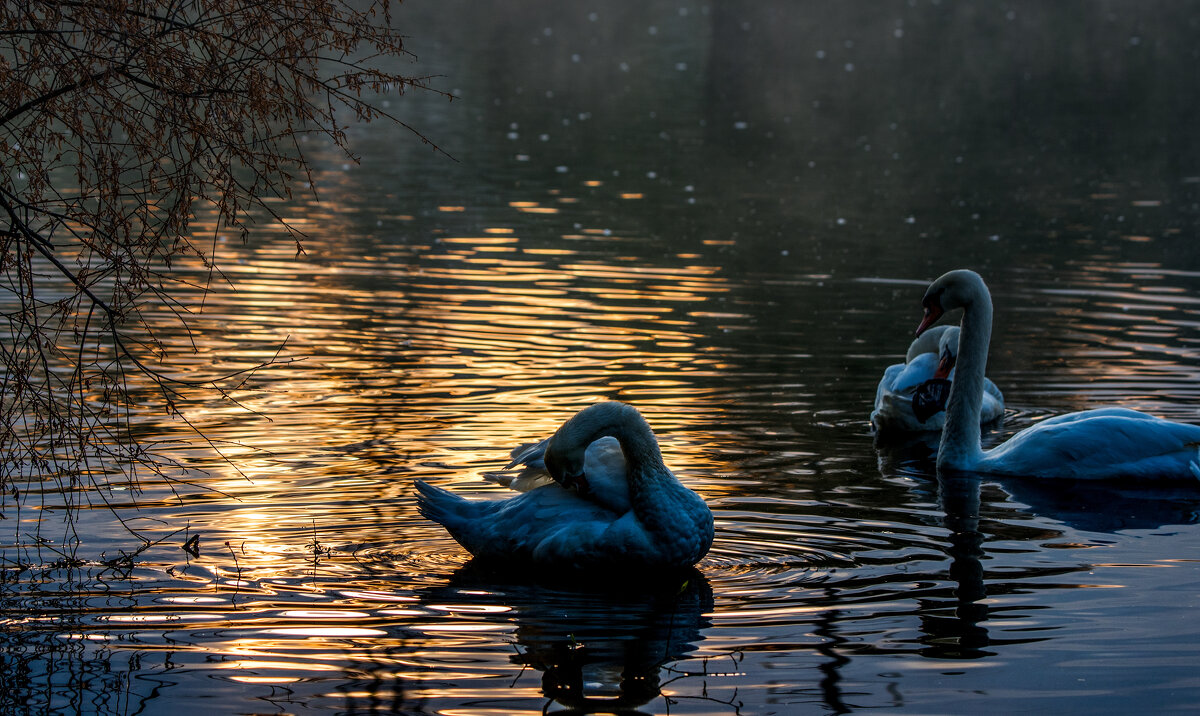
(442, 506)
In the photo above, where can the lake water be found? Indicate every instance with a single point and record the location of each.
(725, 214)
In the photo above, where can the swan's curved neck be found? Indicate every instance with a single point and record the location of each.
(642, 457)
(960, 446)
(619, 421)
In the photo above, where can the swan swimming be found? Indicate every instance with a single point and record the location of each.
(894, 412)
(1101, 444)
(612, 503)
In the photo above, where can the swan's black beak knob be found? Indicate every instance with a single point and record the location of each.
(930, 398)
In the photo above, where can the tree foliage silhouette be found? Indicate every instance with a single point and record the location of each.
(120, 122)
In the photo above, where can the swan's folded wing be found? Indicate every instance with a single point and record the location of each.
(886, 382)
(1109, 443)
(1099, 413)
(993, 402)
(531, 458)
(511, 529)
(529, 454)
(918, 370)
(604, 470)
(990, 390)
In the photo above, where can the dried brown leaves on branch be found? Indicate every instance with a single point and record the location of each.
(119, 122)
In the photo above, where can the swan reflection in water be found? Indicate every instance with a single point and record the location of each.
(963, 636)
(599, 649)
(1107, 507)
(1082, 505)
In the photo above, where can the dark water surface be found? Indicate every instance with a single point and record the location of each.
(726, 214)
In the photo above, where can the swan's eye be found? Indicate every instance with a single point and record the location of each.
(933, 302)
(933, 311)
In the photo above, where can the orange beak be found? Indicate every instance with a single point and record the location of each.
(932, 313)
(945, 365)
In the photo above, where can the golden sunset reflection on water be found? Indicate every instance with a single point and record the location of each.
(494, 339)
(1121, 337)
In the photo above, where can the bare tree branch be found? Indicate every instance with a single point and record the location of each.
(120, 122)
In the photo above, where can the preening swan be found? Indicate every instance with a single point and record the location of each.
(893, 411)
(1103, 444)
(603, 510)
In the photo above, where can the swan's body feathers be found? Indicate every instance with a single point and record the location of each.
(1102, 444)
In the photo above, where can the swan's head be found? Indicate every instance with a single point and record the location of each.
(930, 398)
(567, 448)
(951, 290)
(930, 342)
(565, 466)
(947, 352)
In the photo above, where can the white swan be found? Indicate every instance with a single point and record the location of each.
(893, 411)
(660, 524)
(1108, 443)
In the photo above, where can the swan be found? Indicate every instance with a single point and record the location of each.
(1101, 444)
(580, 521)
(893, 411)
